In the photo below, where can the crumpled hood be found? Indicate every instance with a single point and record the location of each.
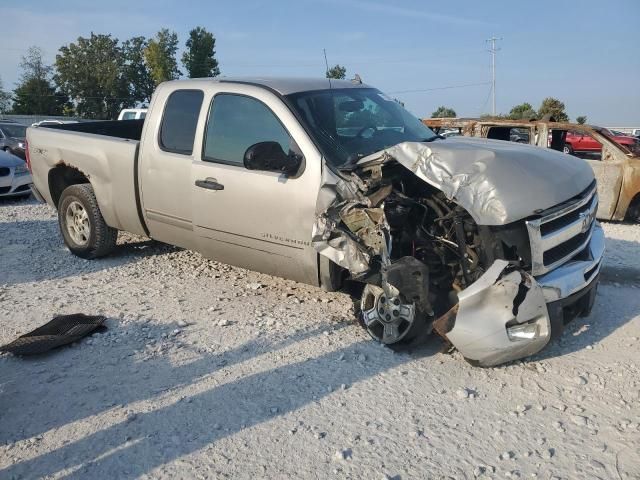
(497, 182)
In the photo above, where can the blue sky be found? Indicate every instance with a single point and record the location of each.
(582, 52)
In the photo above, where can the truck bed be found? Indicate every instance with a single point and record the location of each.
(129, 129)
(104, 152)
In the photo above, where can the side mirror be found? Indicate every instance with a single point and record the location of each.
(269, 157)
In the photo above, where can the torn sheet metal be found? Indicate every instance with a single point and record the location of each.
(339, 247)
(485, 177)
(368, 224)
(500, 317)
(342, 201)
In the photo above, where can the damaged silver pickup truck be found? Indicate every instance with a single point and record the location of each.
(494, 245)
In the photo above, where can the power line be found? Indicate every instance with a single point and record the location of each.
(420, 90)
(486, 100)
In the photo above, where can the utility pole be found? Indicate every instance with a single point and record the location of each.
(493, 51)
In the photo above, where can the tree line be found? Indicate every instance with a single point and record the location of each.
(97, 76)
(549, 108)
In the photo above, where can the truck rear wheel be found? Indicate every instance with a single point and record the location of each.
(84, 230)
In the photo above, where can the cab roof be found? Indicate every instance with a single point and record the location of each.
(286, 85)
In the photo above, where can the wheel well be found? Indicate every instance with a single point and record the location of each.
(61, 177)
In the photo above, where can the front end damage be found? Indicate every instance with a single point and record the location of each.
(438, 248)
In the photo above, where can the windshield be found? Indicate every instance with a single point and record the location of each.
(351, 123)
(18, 131)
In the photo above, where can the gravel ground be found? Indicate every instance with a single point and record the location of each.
(209, 371)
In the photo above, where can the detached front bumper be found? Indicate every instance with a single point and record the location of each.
(508, 314)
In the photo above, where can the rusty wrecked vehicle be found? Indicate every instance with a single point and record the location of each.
(494, 245)
(615, 159)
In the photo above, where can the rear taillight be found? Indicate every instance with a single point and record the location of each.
(26, 155)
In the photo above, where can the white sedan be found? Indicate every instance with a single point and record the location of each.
(15, 178)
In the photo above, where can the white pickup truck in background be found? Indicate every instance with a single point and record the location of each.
(132, 114)
(493, 244)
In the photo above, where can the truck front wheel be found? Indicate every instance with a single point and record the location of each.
(84, 230)
(391, 320)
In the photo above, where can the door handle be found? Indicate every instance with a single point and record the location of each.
(209, 184)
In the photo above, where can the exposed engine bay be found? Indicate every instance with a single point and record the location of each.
(427, 264)
(421, 249)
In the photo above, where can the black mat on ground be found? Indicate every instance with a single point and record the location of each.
(62, 330)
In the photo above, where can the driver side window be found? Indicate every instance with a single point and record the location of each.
(237, 122)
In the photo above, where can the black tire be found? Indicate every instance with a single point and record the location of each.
(97, 239)
(633, 211)
(568, 149)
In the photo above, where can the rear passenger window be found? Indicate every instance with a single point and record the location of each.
(179, 121)
(237, 122)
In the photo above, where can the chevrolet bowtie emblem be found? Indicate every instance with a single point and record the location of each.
(587, 219)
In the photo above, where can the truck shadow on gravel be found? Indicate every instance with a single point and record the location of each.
(138, 443)
(33, 251)
(616, 304)
(72, 372)
(616, 274)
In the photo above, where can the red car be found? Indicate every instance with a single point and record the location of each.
(581, 143)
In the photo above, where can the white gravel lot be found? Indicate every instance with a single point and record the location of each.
(209, 371)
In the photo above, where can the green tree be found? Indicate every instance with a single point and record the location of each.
(582, 119)
(136, 72)
(35, 94)
(498, 116)
(553, 107)
(524, 111)
(200, 57)
(160, 56)
(444, 112)
(338, 72)
(5, 99)
(90, 72)
(33, 66)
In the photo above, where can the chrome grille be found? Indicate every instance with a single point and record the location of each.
(563, 233)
